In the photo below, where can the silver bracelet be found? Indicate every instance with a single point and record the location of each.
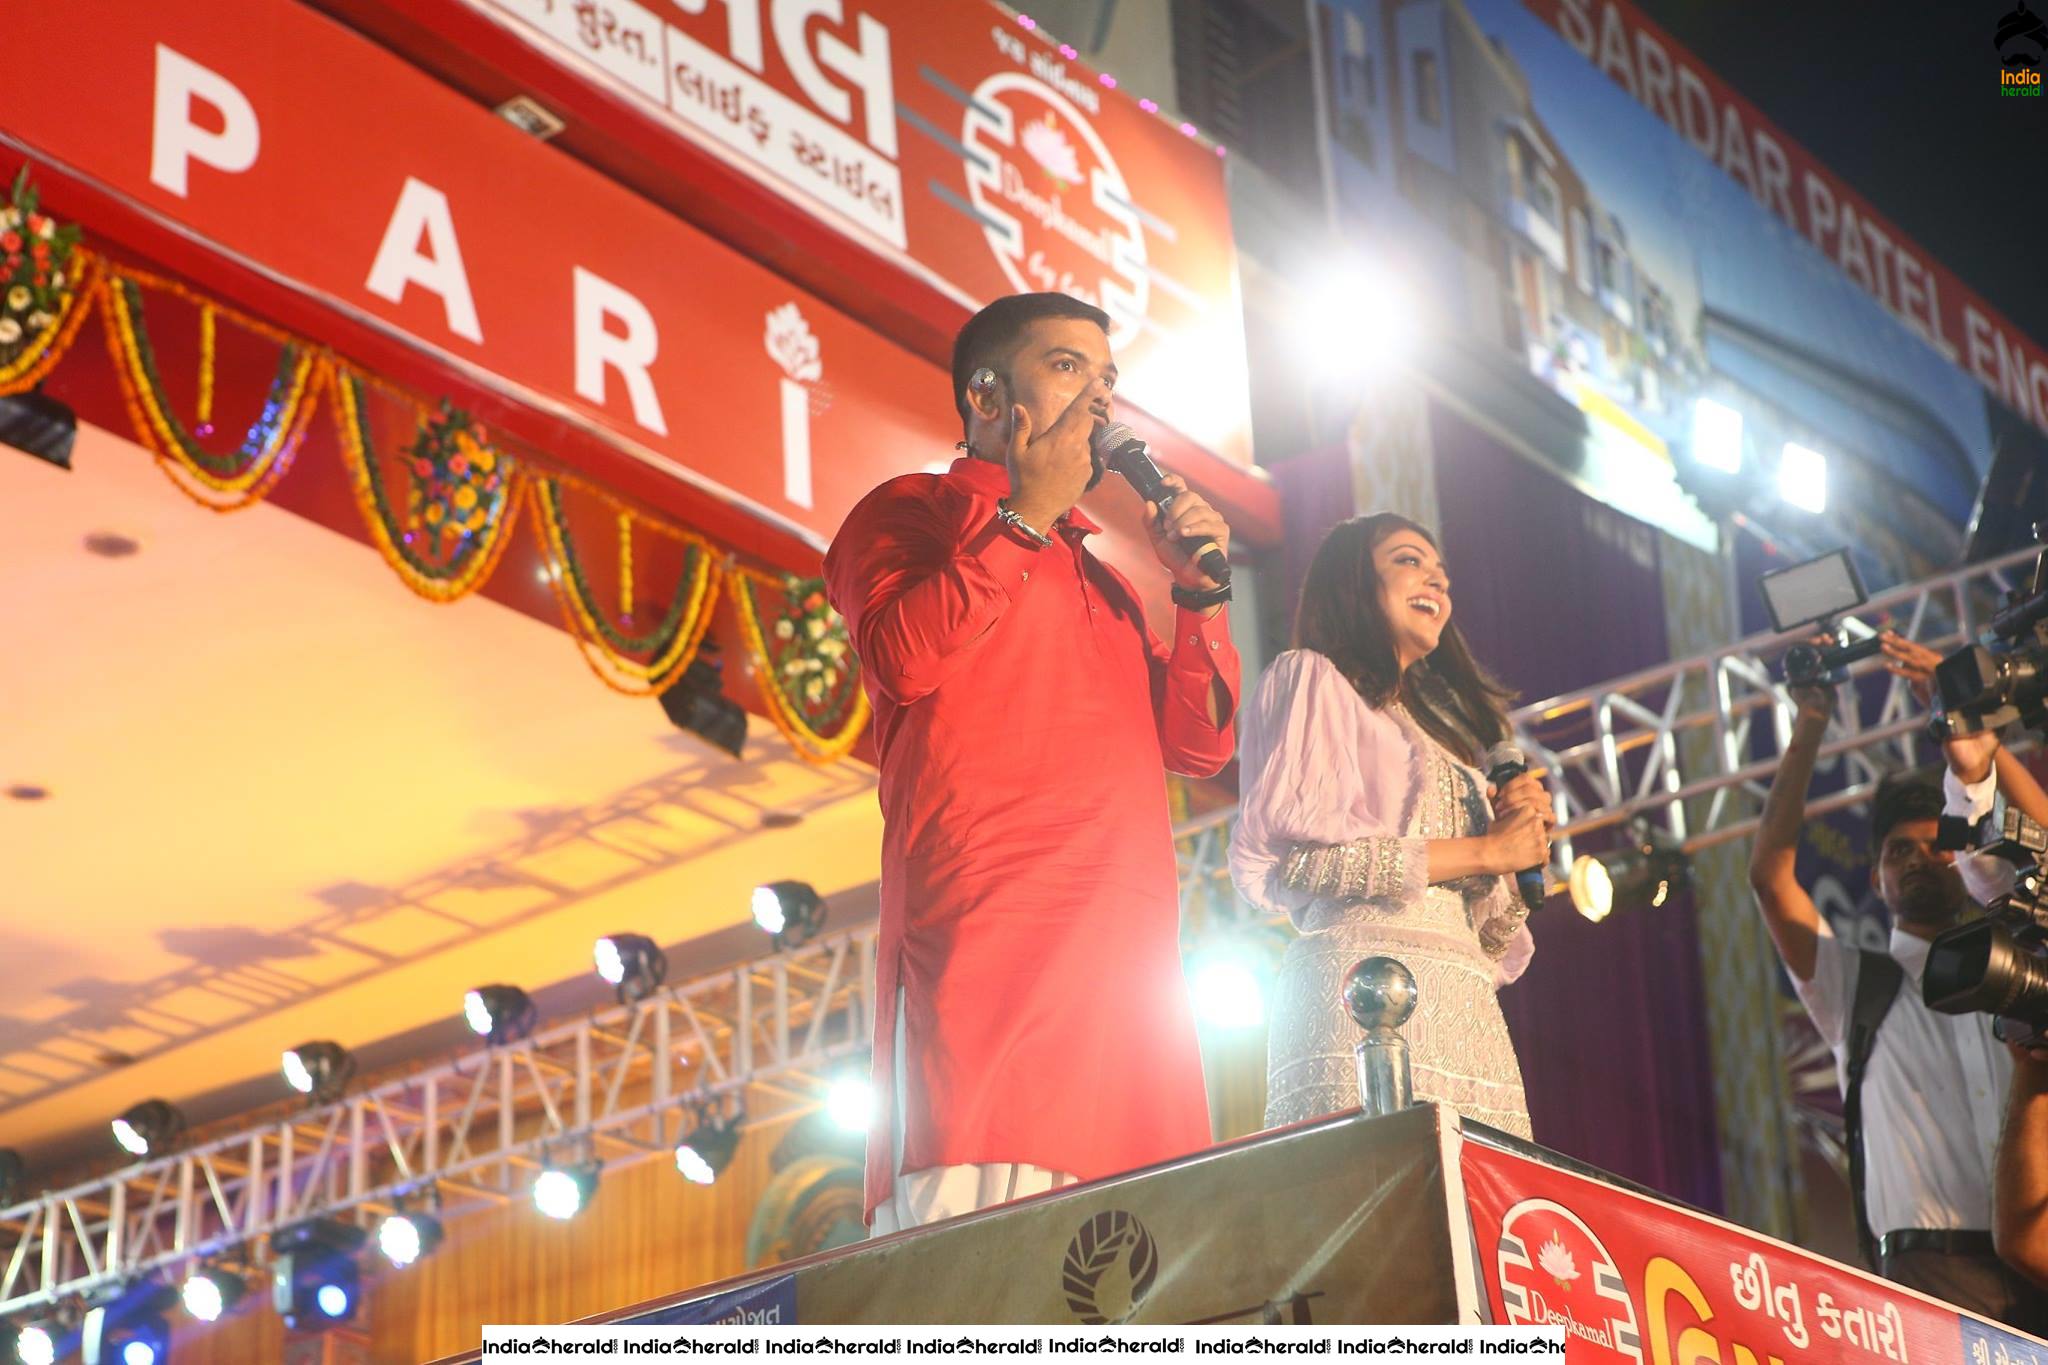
(1017, 523)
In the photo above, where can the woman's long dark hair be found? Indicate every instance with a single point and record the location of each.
(1451, 697)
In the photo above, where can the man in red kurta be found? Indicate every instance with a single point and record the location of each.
(1031, 1022)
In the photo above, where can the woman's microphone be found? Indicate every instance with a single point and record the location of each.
(1505, 763)
(1117, 446)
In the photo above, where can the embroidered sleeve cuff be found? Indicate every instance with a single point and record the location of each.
(1970, 800)
(1384, 869)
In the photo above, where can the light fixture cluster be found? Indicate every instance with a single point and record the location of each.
(1719, 442)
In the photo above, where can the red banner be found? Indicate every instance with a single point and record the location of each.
(1787, 180)
(277, 135)
(961, 144)
(1632, 1278)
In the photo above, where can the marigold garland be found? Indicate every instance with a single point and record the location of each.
(809, 743)
(472, 560)
(227, 482)
(607, 649)
(224, 483)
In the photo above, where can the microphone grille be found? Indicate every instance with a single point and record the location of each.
(1504, 753)
(1110, 438)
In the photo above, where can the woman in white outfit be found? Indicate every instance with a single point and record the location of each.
(1366, 821)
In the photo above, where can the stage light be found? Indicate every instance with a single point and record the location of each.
(37, 1345)
(631, 964)
(149, 1128)
(1803, 477)
(1356, 323)
(697, 703)
(126, 1326)
(499, 1013)
(315, 1280)
(13, 1175)
(792, 911)
(320, 1070)
(405, 1237)
(1227, 994)
(209, 1291)
(708, 1149)
(1641, 875)
(1717, 436)
(560, 1192)
(851, 1103)
(38, 425)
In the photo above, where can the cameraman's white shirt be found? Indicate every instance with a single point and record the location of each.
(1933, 1094)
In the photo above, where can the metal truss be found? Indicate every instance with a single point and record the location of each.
(565, 857)
(620, 1086)
(1712, 728)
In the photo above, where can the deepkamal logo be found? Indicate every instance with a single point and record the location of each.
(2022, 42)
(1555, 1273)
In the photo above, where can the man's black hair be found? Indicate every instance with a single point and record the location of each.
(990, 335)
(1901, 797)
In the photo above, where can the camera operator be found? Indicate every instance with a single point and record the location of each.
(1922, 1090)
(2019, 1204)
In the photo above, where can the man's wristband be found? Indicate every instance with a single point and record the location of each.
(1022, 527)
(1200, 601)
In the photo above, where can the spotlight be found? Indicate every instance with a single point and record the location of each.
(320, 1070)
(499, 1013)
(1227, 994)
(1643, 874)
(128, 1328)
(696, 702)
(209, 1292)
(1357, 323)
(315, 1280)
(1717, 436)
(707, 1151)
(560, 1192)
(37, 1344)
(149, 1128)
(38, 425)
(405, 1237)
(851, 1103)
(792, 911)
(631, 964)
(13, 1173)
(1803, 477)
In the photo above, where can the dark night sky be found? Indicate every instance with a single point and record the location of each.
(1899, 98)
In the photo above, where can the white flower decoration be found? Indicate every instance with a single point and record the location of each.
(1557, 1262)
(792, 346)
(785, 629)
(38, 321)
(19, 298)
(815, 627)
(10, 217)
(48, 229)
(1048, 146)
(10, 331)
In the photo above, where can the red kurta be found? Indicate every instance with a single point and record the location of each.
(1030, 910)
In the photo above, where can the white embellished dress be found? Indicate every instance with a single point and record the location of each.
(1338, 801)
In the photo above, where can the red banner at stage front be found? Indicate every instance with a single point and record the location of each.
(277, 136)
(1631, 1278)
(961, 144)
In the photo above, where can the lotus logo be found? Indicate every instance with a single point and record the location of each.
(1109, 1268)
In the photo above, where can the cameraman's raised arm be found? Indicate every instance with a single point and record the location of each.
(1973, 761)
(2019, 1200)
(1789, 912)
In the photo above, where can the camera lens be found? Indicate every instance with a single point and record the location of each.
(1980, 968)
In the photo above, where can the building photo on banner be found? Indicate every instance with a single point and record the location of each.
(459, 867)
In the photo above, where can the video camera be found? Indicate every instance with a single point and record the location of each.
(1813, 594)
(1998, 964)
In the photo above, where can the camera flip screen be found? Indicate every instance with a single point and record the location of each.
(1814, 591)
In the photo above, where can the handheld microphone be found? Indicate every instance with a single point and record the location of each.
(1117, 446)
(1505, 763)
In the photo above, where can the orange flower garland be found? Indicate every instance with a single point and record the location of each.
(40, 355)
